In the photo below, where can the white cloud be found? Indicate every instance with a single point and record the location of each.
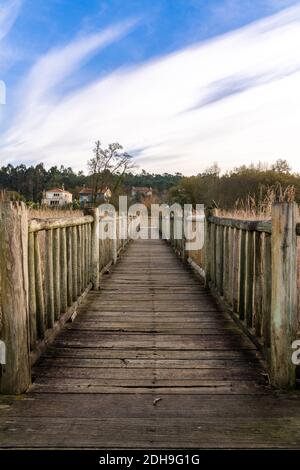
(233, 99)
(9, 10)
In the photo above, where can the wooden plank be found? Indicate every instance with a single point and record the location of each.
(74, 275)
(235, 270)
(145, 377)
(151, 344)
(226, 263)
(79, 260)
(219, 258)
(40, 302)
(63, 270)
(32, 291)
(94, 406)
(56, 273)
(267, 291)
(36, 225)
(248, 225)
(242, 276)
(249, 279)
(155, 354)
(141, 433)
(236, 362)
(284, 321)
(14, 315)
(258, 284)
(69, 235)
(49, 285)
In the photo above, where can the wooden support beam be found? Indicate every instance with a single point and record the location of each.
(40, 299)
(207, 248)
(284, 293)
(32, 292)
(63, 270)
(15, 377)
(49, 285)
(56, 273)
(95, 261)
(249, 278)
(242, 276)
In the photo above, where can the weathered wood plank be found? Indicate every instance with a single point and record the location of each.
(284, 321)
(14, 290)
(63, 270)
(32, 291)
(151, 344)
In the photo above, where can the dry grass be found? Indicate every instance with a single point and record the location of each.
(254, 208)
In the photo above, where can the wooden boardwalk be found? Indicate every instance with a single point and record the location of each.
(150, 361)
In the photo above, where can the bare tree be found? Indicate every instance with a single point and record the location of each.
(107, 162)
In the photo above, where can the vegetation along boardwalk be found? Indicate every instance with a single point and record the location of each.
(150, 361)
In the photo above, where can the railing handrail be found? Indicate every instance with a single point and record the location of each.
(38, 224)
(249, 225)
(251, 267)
(48, 266)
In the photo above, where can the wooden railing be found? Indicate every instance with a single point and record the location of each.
(251, 268)
(46, 269)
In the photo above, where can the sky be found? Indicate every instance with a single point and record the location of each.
(181, 84)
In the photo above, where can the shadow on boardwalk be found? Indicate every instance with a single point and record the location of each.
(150, 361)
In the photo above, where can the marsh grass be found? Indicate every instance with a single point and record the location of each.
(259, 208)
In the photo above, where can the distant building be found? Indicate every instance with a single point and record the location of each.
(141, 190)
(57, 197)
(86, 195)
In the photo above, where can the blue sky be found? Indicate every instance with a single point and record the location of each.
(169, 79)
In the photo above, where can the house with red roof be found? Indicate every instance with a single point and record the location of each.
(57, 197)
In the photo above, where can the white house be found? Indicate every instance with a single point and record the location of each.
(56, 197)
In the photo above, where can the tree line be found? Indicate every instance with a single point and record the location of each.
(233, 188)
(210, 187)
(29, 182)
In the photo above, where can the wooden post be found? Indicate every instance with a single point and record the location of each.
(89, 252)
(219, 258)
(284, 293)
(95, 261)
(16, 375)
(79, 260)
(235, 269)
(213, 253)
(242, 276)
(267, 289)
(69, 233)
(56, 273)
(258, 283)
(74, 263)
(32, 293)
(63, 270)
(230, 264)
(114, 244)
(40, 300)
(226, 263)
(49, 285)
(249, 278)
(207, 245)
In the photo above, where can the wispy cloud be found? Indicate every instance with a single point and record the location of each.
(9, 10)
(242, 90)
(59, 64)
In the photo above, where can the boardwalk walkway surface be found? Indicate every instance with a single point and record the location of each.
(150, 361)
